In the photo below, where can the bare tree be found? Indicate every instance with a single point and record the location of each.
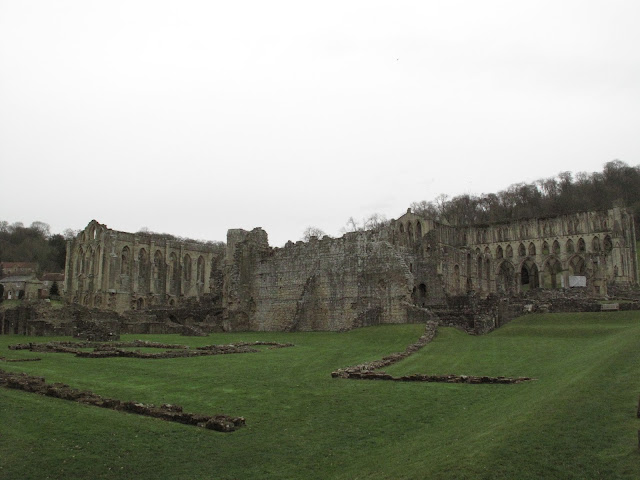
(312, 232)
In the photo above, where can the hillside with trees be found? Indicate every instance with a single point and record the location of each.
(617, 184)
(33, 244)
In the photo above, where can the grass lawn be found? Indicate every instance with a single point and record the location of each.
(577, 420)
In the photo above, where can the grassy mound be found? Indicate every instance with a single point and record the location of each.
(577, 420)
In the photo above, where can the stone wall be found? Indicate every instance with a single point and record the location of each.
(511, 258)
(327, 284)
(130, 271)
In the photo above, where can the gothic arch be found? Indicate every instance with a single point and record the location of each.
(200, 269)
(552, 273)
(582, 246)
(173, 273)
(529, 279)
(522, 252)
(80, 262)
(532, 250)
(570, 248)
(143, 271)
(505, 278)
(125, 258)
(187, 267)
(577, 266)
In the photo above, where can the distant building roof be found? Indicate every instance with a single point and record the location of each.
(20, 278)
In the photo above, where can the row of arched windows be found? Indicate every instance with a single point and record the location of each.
(596, 246)
(88, 263)
(159, 266)
(409, 230)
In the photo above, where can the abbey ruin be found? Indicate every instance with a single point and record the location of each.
(396, 274)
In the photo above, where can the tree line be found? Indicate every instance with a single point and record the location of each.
(34, 244)
(565, 193)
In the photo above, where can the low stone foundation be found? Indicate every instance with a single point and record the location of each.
(116, 349)
(168, 412)
(366, 371)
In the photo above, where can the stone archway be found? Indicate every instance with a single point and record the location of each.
(552, 273)
(529, 278)
(505, 278)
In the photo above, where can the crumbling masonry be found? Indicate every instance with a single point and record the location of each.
(400, 273)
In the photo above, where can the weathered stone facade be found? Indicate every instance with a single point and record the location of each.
(327, 284)
(514, 257)
(123, 271)
(413, 270)
(416, 266)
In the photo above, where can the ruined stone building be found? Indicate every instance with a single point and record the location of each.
(392, 275)
(415, 264)
(122, 271)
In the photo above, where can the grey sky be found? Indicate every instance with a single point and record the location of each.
(193, 117)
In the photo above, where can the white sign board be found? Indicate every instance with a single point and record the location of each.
(577, 281)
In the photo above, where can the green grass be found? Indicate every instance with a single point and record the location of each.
(8, 304)
(577, 420)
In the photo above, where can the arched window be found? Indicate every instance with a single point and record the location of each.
(418, 230)
(505, 278)
(143, 270)
(157, 265)
(552, 274)
(509, 251)
(556, 247)
(187, 268)
(522, 252)
(608, 245)
(88, 262)
(595, 244)
(582, 246)
(96, 261)
(528, 276)
(80, 262)
(577, 266)
(125, 267)
(499, 253)
(569, 246)
(201, 269)
(545, 248)
(532, 249)
(173, 273)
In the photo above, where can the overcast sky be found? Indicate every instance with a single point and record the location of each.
(192, 117)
